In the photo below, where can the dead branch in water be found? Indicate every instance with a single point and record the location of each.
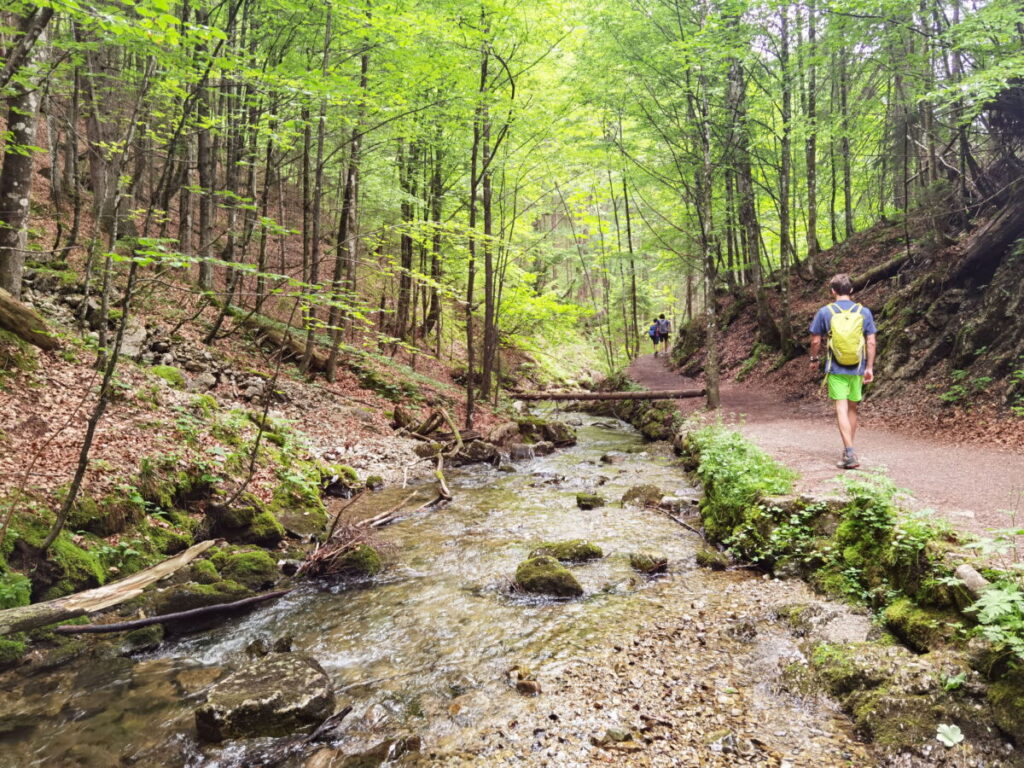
(195, 613)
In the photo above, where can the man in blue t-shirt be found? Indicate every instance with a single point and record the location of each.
(844, 381)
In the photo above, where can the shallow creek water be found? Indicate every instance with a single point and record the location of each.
(426, 649)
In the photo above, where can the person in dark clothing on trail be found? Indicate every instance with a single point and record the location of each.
(653, 333)
(664, 331)
(850, 361)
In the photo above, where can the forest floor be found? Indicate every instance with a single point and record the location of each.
(972, 486)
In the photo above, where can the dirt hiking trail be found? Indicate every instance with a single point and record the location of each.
(968, 485)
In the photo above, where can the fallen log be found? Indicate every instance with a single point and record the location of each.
(124, 626)
(25, 323)
(669, 394)
(883, 271)
(28, 617)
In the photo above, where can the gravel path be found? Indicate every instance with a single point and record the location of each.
(968, 485)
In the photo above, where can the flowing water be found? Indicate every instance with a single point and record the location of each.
(425, 650)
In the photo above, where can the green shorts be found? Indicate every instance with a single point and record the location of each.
(845, 386)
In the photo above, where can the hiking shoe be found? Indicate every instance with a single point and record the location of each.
(849, 461)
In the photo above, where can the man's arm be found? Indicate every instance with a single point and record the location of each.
(869, 369)
(815, 349)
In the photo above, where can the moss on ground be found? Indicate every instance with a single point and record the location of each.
(107, 515)
(923, 629)
(170, 374)
(16, 356)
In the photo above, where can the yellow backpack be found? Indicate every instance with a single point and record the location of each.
(846, 334)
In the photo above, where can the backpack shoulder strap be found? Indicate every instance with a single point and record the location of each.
(835, 309)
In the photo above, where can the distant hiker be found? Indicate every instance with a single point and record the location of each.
(850, 359)
(655, 336)
(664, 331)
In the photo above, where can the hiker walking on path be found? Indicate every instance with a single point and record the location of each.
(655, 336)
(664, 331)
(850, 358)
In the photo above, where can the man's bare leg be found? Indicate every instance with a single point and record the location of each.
(846, 416)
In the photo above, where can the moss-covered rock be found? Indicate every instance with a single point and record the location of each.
(185, 597)
(709, 557)
(589, 500)
(923, 629)
(254, 569)
(300, 513)
(648, 562)
(204, 572)
(265, 530)
(245, 521)
(1006, 697)
(170, 374)
(546, 576)
(643, 496)
(69, 568)
(374, 482)
(142, 639)
(363, 561)
(11, 651)
(571, 551)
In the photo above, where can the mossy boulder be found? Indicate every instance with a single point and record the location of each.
(559, 433)
(173, 376)
(204, 572)
(361, 562)
(643, 496)
(709, 557)
(185, 597)
(68, 569)
(923, 629)
(142, 639)
(571, 551)
(1006, 697)
(546, 576)
(254, 569)
(589, 500)
(299, 513)
(246, 521)
(648, 562)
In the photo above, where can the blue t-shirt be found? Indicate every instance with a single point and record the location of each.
(823, 322)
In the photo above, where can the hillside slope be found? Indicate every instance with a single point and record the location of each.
(950, 315)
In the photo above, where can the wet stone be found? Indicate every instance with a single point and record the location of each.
(276, 695)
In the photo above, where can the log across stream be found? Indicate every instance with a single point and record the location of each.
(425, 650)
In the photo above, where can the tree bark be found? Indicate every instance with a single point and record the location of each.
(19, 158)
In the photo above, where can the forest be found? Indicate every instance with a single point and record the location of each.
(280, 282)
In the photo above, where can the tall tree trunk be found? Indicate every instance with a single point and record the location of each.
(811, 142)
(16, 186)
(471, 267)
(346, 249)
(844, 143)
(785, 244)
